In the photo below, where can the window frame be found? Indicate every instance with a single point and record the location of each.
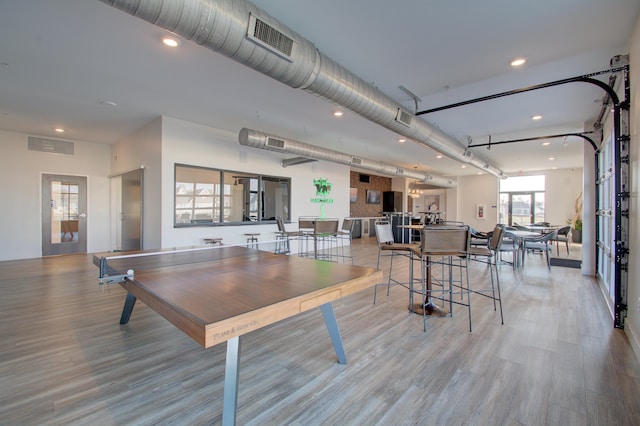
(255, 195)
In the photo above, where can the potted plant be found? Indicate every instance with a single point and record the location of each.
(576, 221)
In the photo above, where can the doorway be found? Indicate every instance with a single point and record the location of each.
(126, 202)
(64, 214)
(521, 208)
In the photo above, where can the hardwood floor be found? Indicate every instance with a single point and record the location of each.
(557, 360)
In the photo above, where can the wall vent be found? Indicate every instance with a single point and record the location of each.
(403, 117)
(51, 146)
(356, 161)
(270, 37)
(275, 143)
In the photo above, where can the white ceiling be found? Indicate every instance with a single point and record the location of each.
(60, 61)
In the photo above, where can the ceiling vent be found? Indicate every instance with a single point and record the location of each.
(400, 171)
(266, 35)
(275, 143)
(357, 161)
(403, 117)
(51, 146)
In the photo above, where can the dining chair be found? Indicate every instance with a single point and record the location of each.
(442, 246)
(388, 247)
(543, 243)
(563, 236)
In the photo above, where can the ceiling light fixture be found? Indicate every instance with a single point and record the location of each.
(402, 140)
(537, 117)
(338, 113)
(438, 156)
(59, 130)
(546, 143)
(516, 62)
(170, 41)
(552, 158)
(464, 166)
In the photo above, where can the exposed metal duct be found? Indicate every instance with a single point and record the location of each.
(245, 33)
(257, 139)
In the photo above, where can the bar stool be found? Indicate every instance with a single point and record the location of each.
(388, 247)
(345, 234)
(252, 239)
(444, 243)
(306, 228)
(212, 241)
(325, 239)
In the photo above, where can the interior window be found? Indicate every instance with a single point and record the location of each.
(205, 197)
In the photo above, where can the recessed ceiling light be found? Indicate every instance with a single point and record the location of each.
(108, 103)
(338, 113)
(552, 158)
(546, 143)
(170, 41)
(59, 130)
(438, 156)
(479, 173)
(516, 62)
(537, 117)
(402, 140)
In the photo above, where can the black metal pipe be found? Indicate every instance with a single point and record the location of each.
(585, 79)
(537, 138)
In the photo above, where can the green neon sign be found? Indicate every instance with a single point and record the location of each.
(323, 188)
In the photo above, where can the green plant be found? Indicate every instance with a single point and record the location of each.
(576, 220)
(577, 225)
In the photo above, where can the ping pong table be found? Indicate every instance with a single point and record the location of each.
(217, 294)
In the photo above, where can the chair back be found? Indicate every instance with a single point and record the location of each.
(548, 236)
(445, 240)
(306, 224)
(384, 234)
(564, 231)
(280, 223)
(326, 227)
(347, 224)
(495, 240)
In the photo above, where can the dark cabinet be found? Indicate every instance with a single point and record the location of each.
(392, 202)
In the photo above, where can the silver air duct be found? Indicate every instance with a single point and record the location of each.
(243, 32)
(256, 139)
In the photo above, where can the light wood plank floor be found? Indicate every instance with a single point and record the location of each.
(557, 360)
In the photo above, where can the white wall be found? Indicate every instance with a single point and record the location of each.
(473, 191)
(144, 148)
(192, 144)
(562, 188)
(632, 323)
(21, 173)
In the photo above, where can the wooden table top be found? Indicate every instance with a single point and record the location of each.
(240, 290)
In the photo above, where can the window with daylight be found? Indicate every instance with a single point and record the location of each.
(522, 200)
(210, 197)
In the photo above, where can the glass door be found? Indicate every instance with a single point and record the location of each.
(64, 217)
(521, 208)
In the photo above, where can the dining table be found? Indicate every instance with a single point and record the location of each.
(519, 238)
